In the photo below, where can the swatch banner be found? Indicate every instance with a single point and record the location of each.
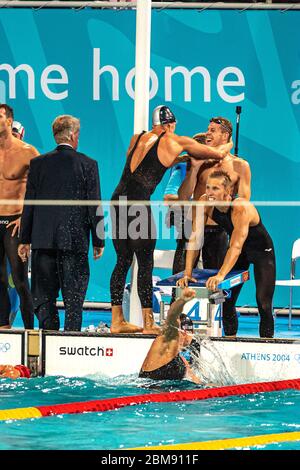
(203, 64)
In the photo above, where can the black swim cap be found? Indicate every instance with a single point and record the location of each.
(162, 115)
(186, 323)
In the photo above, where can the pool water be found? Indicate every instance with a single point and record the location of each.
(148, 424)
(141, 425)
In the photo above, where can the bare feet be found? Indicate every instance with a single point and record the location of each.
(124, 327)
(152, 330)
(5, 327)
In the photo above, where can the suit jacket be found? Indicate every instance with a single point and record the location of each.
(62, 174)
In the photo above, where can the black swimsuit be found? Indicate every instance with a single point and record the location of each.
(138, 186)
(258, 250)
(258, 238)
(19, 270)
(214, 247)
(174, 370)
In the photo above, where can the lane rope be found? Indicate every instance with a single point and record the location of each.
(167, 397)
(235, 443)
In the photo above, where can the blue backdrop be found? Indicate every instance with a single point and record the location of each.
(203, 64)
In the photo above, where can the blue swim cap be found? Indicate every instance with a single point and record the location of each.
(162, 115)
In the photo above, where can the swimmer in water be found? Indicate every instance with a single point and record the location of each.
(163, 361)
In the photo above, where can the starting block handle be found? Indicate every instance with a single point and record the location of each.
(161, 312)
(214, 325)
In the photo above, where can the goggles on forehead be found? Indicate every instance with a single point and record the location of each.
(222, 124)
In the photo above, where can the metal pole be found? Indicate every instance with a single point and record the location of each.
(142, 65)
(238, 111)
(200, 6)
(141, 116)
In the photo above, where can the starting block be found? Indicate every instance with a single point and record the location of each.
(206, 308)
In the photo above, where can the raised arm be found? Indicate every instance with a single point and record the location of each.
(170, 330)
(240, 220)
(188, 185)
(181, 159)
(202, 151)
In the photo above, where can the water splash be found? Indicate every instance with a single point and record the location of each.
(210, 366)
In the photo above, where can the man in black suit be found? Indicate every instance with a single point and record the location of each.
(58, 233)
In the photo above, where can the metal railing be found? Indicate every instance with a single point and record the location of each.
(200, 6)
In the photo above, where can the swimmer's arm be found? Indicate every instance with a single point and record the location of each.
(30, 153)
(28, 210)
(196, 239)
(188, 185)
(244, 187)
(240, 220)
(202, 151)
(171, 197)
(132, 143)
(181, 159)
(170, 330)
(34, 152)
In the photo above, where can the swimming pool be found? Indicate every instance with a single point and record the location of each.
(141, 425)
(149, 424)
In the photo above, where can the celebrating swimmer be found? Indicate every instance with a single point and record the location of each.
(163, 361)
(215, 238)
(149, 155)
(249, 243)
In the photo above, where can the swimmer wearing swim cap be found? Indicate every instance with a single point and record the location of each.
(162, 115)
(164, 361)
(18, 130)
(149, 156)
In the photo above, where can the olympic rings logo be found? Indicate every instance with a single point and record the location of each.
(4, 347)
(297, 357)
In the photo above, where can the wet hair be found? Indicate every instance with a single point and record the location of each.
(63, 127)
(8, 110)
(186, 323)
(227, 183)
(225, 125)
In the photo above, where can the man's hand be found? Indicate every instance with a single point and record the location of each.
(184, 281)
(196, 163)
(187, 294)
(213, 282)
(16, 229)
(225, 148)
(98, 252)
(24, 251)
